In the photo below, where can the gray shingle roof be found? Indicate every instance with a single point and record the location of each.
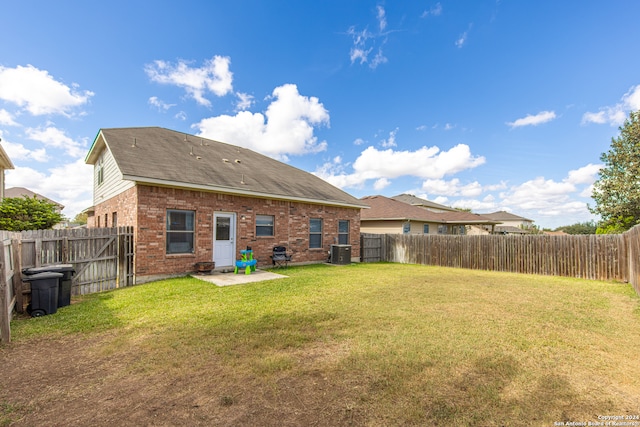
(165, 157)
(25, 192)
(505, 216)
(385, 208)
(417, 201)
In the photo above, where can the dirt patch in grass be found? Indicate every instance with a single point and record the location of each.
(68, 382)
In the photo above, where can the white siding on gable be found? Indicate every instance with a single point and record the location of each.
(112, 183)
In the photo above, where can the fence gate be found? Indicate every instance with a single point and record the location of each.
(102, 257)
(371, 247)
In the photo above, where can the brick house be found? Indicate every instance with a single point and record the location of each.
(192, 199)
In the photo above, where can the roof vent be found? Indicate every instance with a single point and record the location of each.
(225, 160)
(134, 142)
(238, 161)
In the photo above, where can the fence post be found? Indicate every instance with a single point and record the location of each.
(17, 274)
(5, 313)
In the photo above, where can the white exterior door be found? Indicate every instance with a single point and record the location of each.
(224, 239)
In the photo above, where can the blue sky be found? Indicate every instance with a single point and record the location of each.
(489, 105)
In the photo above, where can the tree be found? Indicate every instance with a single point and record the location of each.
(81, 218)
(617, 190)
(588, 227)
(27, 213)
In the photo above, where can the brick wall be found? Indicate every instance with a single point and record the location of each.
(123, 205)
(291, 227)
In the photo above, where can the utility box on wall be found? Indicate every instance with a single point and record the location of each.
(341, 254)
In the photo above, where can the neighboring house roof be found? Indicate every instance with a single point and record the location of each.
(417, 201)
(384, 208)
(505, 216)
(22, 192)
(158, 156)
(5, 161)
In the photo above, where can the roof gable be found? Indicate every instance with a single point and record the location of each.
(159, 156)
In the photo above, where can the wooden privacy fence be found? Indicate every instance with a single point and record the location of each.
(8, 285)
(600, 257)
(101, 257)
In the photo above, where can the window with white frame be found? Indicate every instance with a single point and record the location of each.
(442, 229)
(406, 228)
(100, 171)
(343, 232)
(264, 225)
(180, 231)
(425, 229)
(315, 233)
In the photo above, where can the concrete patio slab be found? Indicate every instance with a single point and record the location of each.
(228, 279)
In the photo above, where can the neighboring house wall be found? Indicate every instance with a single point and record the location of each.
(291, 227)
(397, 227)
(524, 224)
(381, 227)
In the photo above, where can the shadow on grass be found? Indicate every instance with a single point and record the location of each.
(483, 395)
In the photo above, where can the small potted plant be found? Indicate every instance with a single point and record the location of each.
(205, 267)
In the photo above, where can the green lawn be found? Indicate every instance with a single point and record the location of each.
(376, 344)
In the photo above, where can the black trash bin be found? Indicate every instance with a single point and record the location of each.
(44, 293)
(64, 284)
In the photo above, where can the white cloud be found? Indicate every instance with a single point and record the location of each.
(160, 104)
(391, 141)
(68, 184)
(461, 40)
(382, 18)
(534, 120)
(17, 151)
(6, 118)
(631, 99)
(378, 59)
(214, 77)
(426, 162)
(365, 42)
(381, 184)
(435, 10)
(487, 204)
(287, 127)
(615, 115)
(38, 92)
(358, 141)
(358, 51)
(538, 194)
(245, 101)
(54, 137)
(584, 175)
(452, 188)
(181, 116)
